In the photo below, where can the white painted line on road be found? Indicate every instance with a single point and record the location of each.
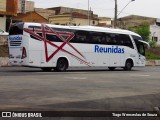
(135, 75)
(76, 78)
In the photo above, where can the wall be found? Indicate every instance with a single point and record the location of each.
(81, 22)
(69, 20)
(3, 23)
(4, 61)
(3, 5)
(12, 7)
(3, 39)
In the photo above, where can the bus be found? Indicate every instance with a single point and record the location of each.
(59, 47)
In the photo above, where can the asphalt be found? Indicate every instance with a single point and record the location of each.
(96, 89)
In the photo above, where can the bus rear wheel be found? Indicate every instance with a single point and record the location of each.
(62, 65)
(128, 65)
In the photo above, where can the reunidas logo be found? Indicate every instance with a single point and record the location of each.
(15, 38)
(113, 49)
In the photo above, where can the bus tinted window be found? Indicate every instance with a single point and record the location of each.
(125, 40)
(53, 38)
(111, 39)
(97, 38)
(90, 37)
(34, 28)
(136, 37)
(81, 37)
(119, 39)
(16, 29)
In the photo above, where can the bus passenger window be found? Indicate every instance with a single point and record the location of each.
(81, 37)
(98, 38)
(125, 40)
(53, 38)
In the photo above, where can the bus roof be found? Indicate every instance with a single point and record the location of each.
(86, 28)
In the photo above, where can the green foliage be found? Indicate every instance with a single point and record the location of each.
(153, 44)
(142, 30)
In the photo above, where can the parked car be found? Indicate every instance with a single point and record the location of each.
(3, 32)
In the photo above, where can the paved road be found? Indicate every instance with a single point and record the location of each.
(95, 89)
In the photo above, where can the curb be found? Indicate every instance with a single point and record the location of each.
(153, 63)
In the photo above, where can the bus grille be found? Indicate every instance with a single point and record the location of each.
(15, 43)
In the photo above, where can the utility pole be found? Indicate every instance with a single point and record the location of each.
(115, 15)
(88, 14)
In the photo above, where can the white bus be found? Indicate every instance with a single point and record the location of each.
(58, 47)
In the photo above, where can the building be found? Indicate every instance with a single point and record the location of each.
(134, 20)
(25, 6)
(62, 10)
(155, 31)
(8, 8)
(105, 22)
(73, 18)
(29, 17)
(45, 12)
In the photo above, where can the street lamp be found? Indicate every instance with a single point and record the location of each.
(125, 7)
(116, 15)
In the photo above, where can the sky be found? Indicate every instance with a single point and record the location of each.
(105, 8)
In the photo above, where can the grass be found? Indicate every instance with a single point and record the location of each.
(150, 55)
(153, 53)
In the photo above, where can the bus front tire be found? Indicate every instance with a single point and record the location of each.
(62, 65)
(128, 65)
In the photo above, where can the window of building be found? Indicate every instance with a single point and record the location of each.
(155, 39)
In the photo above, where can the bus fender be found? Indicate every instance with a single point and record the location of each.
(65, 57)
(131, 59)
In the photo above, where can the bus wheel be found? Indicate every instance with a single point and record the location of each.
(128, 65)
(46, 69)
(111, 68)
(62, 65)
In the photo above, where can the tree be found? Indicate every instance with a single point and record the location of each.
(142, 30)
